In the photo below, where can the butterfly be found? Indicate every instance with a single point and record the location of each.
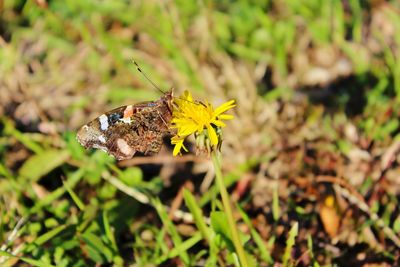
(129, 129)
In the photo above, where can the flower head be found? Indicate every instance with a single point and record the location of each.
(201, 119)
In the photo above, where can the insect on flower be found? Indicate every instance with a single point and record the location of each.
(129, 129)
(140, 128)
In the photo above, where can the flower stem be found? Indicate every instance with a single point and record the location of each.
(228, 210)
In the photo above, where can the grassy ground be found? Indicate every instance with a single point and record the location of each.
(311, 158)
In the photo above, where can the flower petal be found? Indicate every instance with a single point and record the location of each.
(187, 96)
(177, 149)
(218, 123)
(186, 131)
(212, 135)
(224, 107)
(226, 117)
(178, 142)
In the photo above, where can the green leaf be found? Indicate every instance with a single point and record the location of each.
(73, 179)
(88, 217)
(27, 260)
(184, 246)
(108, 231)
(107, 191)
(171, 229)
(219, 223)
(229, 179)
(290, 243)
(389, 127)
(74, 197)
(96, 166)
(396, 225)
(276, 212)
(5, 171)
(49, 235)
(197, 214)
(73, 146)
(344, 146)
(98, 252)
(131, 176)
(311, 251)
(264, 251)
(40, 164)
(21, 137)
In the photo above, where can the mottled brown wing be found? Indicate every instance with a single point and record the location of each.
(129, 129)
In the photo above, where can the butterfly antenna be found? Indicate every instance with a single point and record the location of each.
(158, 88)
(147, 78)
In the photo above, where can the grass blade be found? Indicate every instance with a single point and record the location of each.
(290, 243)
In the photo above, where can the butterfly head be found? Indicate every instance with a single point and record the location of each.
(167, 98)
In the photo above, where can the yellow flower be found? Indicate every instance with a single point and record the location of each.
(178, 142)
(192, 117)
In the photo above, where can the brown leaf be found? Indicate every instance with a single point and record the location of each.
(329, 216)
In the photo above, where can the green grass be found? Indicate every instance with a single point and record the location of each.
(67, 63)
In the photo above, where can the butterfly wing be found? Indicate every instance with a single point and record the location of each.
(129, 129)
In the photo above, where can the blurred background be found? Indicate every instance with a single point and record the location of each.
(315, 139)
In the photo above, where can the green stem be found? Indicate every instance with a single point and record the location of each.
(228, 211)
